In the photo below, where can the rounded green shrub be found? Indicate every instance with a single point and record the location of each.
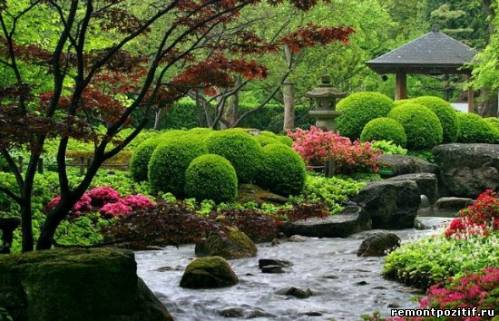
(240, 148)
(264, 140)
(211, 177)
(399, 102)
(166, 169)
(494, 123)
(421, 125)
(358, 109)
(283, 170)
(140, 159)
(384, 128)
(474, 129)
(286, 140)
(445, 113)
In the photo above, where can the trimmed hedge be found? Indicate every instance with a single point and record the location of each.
(358, 109)
(384, 128)
(421, 125)
(283, 170)
(211, 177)
(166, 170)
(445, 113)
(240, 148)
(140, 159)
(494, 123)
(474, 129)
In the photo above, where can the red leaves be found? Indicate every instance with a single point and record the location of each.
(312, 35)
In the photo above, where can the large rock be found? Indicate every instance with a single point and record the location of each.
(207, 273)
(76, 285)
(394, 165)
(253, 193)
(390, 204)
(452, 204)
(232, 244)
(351, 220)
(466, 170)
(378, 244)
(427, 183)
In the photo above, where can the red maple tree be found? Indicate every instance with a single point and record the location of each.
(185, 56)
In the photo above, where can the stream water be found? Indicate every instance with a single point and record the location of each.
(344, 286)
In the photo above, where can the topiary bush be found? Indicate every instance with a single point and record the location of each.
(282, 171)
(240, 148)
(358, 109)
(212, 177)
(421, 125)
(140, 159)
(474, 129)
(445, 113)
(166, 169)
(384, 128)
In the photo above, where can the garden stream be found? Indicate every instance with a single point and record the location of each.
(344, 286)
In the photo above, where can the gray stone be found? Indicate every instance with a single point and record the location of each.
(452, 204)
(431, 223)
(427, 184)
(76, 285)
(232, 244)
(466, 170)
(395, 165)
(352, 219)
(207, 273)
(296, 292)
(390, 204)
(378, 244)
(232, 313)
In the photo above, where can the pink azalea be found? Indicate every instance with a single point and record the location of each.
(103, 195)
(138, 202)
(115, 209)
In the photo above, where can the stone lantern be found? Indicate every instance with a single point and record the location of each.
(324, 100)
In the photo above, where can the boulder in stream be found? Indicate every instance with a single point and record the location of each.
(466, 170)
(273, 266)
(76, 285)
(232, 244)
(207, 273)
(378, 244)
(452, 204)
(296, 292)
(390, 204)
(352, 219)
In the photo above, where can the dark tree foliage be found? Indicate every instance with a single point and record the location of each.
(88, 85)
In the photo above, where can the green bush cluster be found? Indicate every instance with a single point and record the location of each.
(212, 177)
(421, 125)
(358, 109)
(388, 147)
(241, 149)
(384, 128)
(282, 170)
(435, 259)
(445, 113)
(474, 129)
(140, 159)
(494, 124)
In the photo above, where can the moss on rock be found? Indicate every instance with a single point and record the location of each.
(233, 244)
(208, 272)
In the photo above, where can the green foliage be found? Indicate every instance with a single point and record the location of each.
(445, 113)
(240, 148)
(494, 124)
(211, 177)
(169, 161)
(387, 147)
(358, 109)
(421, 125)
(141, 157)
(434, 259)
(384, 128)
(282, 171)
(332, 191)
(474, 129)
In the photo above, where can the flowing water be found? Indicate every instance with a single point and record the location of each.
(344, 286)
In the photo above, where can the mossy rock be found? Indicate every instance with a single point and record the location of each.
(233, 244)
(207, 273)
(76, 285)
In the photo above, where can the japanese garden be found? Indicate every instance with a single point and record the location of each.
(211, 160)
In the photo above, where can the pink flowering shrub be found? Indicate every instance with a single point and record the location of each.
(477, 290)
(480, 218)
(107, 201)
(316, 146)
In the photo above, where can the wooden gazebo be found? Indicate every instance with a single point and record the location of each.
(434, 53)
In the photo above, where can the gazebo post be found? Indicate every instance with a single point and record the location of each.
(471, 100)
(400, 85)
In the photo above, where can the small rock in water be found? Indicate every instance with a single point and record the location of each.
(296, 292)
(332, 277)
(394, 305)
(232, 312)
(378, 244)
(297, 238)
(275, 242)
(259, 313)
(361, 283)
(165, 269)
(272, 269)
(273, 266)
(313, 314)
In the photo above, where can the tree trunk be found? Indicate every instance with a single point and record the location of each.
(288, 96)
(230, 112)
(157, 118)
(27, 225)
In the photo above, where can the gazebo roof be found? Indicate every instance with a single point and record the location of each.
(432, 53)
